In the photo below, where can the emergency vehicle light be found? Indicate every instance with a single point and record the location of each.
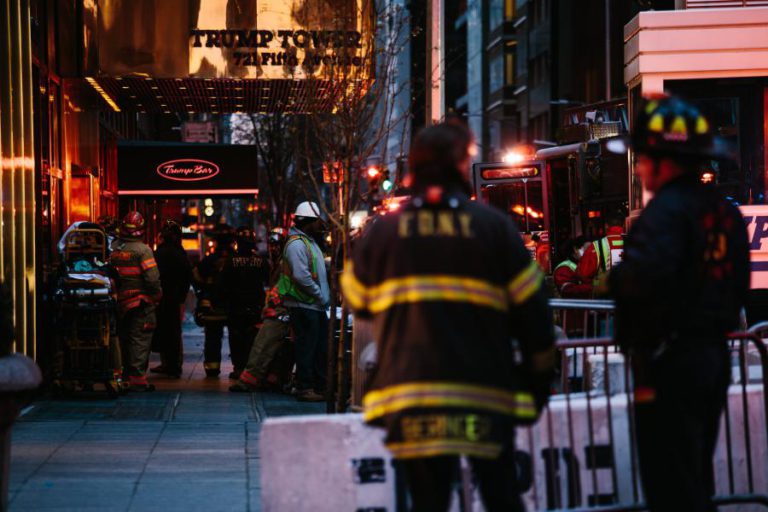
(510, 173)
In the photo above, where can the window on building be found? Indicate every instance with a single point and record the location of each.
(496, 72)
(539, 69)
(509, 64)
(495, 14)
(500, 11)
(539, 11)
(539, 127)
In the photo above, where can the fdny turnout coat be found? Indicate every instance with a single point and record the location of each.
(139, 278)
(449, 284)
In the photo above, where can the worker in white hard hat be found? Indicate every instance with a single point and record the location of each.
(303, 285)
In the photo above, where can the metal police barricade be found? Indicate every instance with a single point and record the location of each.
(580, 319)
(583, 318)
(580, 455)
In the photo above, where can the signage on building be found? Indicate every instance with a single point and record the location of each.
(159, 169)
(257, 39)
(205, 132)
(187, 169)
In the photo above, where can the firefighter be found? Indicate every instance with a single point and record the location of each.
(568, 283)
(303, 286)
(602, 255)
(175, 276)
(678, 291)
(271, 336)
(138, 293)
(448, 282)
(209, 312)
(243, 280)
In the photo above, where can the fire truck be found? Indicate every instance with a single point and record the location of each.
(557, 193)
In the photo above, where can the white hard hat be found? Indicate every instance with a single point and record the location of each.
(308, 209)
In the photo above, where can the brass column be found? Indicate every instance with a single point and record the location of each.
(17, 167)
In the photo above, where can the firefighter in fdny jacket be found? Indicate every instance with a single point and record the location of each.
(138, 293)
(243, 281)
(679, 289)
(449, 284)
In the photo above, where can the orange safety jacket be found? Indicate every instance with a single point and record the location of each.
(139, 278)
(601, 256)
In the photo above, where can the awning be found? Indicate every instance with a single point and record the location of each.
(175, 169)
(221, 56)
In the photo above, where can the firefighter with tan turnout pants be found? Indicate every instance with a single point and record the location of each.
(138, 292)
(449, 285)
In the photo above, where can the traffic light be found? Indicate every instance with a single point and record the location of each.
(374, 176)
(386, 182)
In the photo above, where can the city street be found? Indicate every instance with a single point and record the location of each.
(501, 255)
(191, 445)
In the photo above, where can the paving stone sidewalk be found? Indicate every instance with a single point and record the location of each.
(189, 446)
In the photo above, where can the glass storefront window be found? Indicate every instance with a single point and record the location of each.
(731, 177)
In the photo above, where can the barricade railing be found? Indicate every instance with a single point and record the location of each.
(583, 318)
(582, 453)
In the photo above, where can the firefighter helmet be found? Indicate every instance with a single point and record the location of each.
(133, 225)
(668, 125)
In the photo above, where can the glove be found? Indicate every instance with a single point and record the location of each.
(202, 309)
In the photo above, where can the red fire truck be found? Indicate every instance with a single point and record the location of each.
(560, 192)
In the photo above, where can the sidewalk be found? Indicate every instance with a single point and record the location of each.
(191, 445)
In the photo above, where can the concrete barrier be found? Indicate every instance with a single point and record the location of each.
(335, 463)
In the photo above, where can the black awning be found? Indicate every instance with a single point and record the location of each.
(175, 169)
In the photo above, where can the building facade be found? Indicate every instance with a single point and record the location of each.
(512, 67)
(718, 57)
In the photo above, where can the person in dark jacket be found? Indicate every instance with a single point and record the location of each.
(448, 283)
(175, 278)
(679, 290)
(243, 282)
(210, 312)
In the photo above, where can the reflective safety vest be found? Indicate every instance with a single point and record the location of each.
(567, 263)
(285, 284)
(609, 251)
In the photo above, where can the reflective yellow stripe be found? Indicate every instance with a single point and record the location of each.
(408, 289)
(397, 398)
(525, 284)
(147, 264)
(412, 449)
(354, 291)
(436, 288)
